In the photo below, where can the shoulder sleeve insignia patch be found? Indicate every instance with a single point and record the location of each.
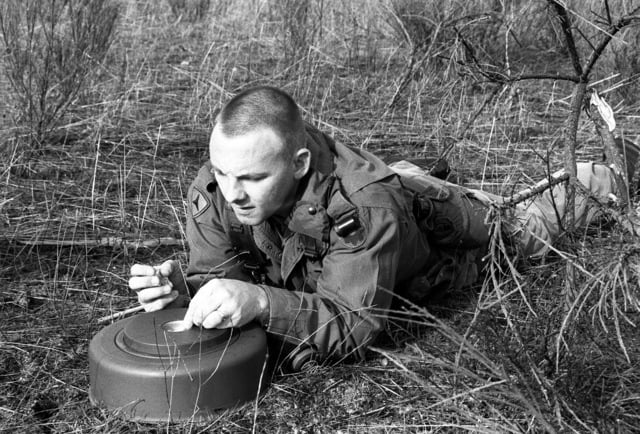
(199, 202)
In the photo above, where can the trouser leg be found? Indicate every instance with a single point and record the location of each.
(537, 222)
(533, 225)
(451, 216)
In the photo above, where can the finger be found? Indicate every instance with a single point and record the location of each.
(188, 317)
(137, 283)
(197, 314)
(148, 295)
(160, 303)
(205, 301)
(142, 270)
(166, 268)
(214, 319)
(142, 282)
(199, 308)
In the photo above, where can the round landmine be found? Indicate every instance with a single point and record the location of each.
(151, 368)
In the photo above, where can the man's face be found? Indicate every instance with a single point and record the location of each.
(255, 173)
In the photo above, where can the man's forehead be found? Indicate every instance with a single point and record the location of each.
(260, 137)
(248, 153)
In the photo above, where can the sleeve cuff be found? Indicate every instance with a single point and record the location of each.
(284, 311)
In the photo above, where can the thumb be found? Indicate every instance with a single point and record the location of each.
(172, 271)
(167, 268)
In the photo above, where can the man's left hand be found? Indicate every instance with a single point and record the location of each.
(224, 303)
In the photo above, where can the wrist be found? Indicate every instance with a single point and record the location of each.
(263, 306)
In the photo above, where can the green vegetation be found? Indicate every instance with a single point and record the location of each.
(105, 111)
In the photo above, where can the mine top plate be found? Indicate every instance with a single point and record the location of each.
(164, 334)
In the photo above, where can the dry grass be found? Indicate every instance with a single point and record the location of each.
(50, 49)
(519, 353)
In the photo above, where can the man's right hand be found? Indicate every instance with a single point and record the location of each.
(159, 285)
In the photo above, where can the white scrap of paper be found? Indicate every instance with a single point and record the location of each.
(604, 109)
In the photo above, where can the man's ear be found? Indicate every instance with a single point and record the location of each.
(302, 162)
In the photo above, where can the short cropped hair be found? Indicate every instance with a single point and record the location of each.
(263, 107)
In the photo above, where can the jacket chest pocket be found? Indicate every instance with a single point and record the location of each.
(304, 277)
(302, 263)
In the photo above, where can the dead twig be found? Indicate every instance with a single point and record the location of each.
(118, 315)
(103, 242)
(540, 187)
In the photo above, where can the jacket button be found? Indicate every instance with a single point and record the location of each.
(312, 210)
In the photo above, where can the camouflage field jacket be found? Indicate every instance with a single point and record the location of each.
(330, 270)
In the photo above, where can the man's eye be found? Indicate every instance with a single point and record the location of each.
(252, 178)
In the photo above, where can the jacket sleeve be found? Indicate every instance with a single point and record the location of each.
(353, 291)
(210, 250)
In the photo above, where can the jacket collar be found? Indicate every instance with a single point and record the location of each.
(309, 214)
(330, 162)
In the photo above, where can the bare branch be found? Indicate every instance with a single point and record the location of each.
(116, 242)
(563, 77)
(565, 24)
(587, 40)
(497, 77)
(535, 190)
(118, 315)
(609, 34)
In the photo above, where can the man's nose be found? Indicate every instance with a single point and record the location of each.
(235, 192)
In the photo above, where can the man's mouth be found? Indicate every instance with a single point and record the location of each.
(243, 210)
